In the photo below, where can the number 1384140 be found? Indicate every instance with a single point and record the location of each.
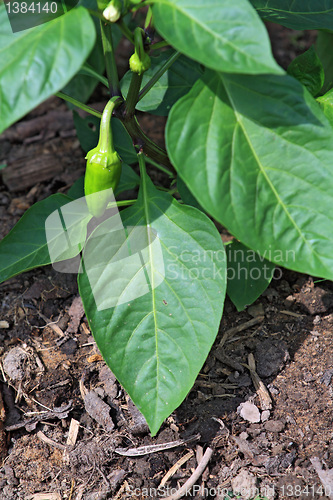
(31, 7)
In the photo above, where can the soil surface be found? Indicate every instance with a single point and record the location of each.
(261, 408)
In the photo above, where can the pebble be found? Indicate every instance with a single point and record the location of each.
(265, 415)
(256, 311)
(14, 362)
(274, 426)
(244, 483)
(249, 411)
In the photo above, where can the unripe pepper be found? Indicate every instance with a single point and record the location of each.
(139, 64)
(103, 168)
(139, 61)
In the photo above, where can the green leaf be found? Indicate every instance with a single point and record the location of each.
(173, 84)
(87, 130)
(186, 195)
(249, 274)
(297, 14)
(123, 142)
(308, 70)
(128, 180)
(324, 49)
(27, 245)
(154, 298)
(221, 35)
(326, 104)
(38, 62)
(271, 184)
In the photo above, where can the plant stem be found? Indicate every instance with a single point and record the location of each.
(125, 30)
(159, 45)
(148, 146)
(79, 104)
(160, 167)
(142, 164)
(122, 203)
(140, 5)
(133, 94)
(97, 14)
(158, 75)
(88, 70)
(110, 61)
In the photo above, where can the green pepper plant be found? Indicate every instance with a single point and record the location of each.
(249, 146)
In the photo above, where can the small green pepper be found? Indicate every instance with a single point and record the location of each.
(139, 61)
(103, 168)
(139, 64)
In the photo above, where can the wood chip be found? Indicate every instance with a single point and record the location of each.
(76, 313)
(71, 439)
(4, 324)
(45, 496)
(94, 357)
(73, 432)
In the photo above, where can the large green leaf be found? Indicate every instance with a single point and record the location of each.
(249, 274)
(38, 62)
(297, 14)
(226, 36)
(28, 244)
(173, 84)
(257, 154)
(154, 298)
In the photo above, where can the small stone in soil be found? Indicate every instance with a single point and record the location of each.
(248, 411)
(274, 426)
(13, 363)
(244, 483)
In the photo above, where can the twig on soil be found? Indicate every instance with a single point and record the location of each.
(240, 328)
(194, 478)
(50, 441)
(52, 324)
(153, 448)
(293, 314)
(175, 467)
(264, 396)
(3, 373)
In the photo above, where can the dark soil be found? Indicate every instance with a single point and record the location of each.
(273, 438)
